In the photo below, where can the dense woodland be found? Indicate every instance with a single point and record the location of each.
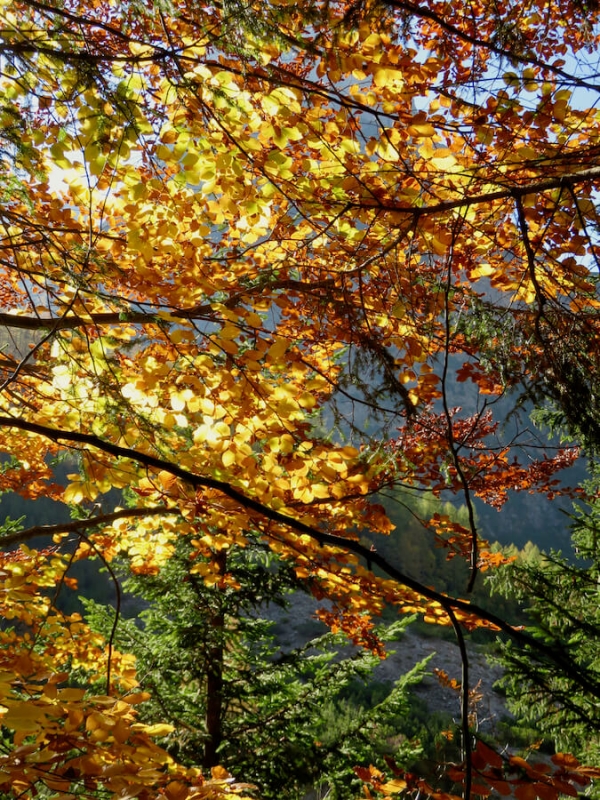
(299, 310)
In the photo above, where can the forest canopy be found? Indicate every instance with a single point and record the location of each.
(261, 266)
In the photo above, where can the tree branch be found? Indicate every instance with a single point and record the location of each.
(81, 524)
(321, 537)
(485, 44)
(516, 191)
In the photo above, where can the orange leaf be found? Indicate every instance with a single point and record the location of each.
(525, 791)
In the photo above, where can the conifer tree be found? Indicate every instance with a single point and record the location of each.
(209, 660)
(560, 593)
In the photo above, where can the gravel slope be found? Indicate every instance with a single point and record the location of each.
(296, 625)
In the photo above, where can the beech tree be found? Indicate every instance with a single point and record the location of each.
(236, 234)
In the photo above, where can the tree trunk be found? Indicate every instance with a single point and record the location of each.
(214, 678)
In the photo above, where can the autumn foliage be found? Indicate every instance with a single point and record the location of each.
(228, 230)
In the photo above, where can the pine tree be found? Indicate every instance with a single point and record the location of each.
(561, 596)
(208, 658)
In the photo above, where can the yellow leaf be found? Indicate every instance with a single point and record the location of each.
(136, 697)
(393, 787)
(443, 163)
(511, 79)
(167, 480)
(219, 773)
(141, 50)
(277, 349)
(282, 444)
(160, 729)
(421, 129)
(62, 377)
(176, 791)
(78, 491)
(23, 716)
(228, 346)
(384, 76)
(228, 458)
(254, 320)
(270, 105)
(482, 271)
(438, 247)
(70, 695)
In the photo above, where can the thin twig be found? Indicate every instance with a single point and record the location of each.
(464, 705)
